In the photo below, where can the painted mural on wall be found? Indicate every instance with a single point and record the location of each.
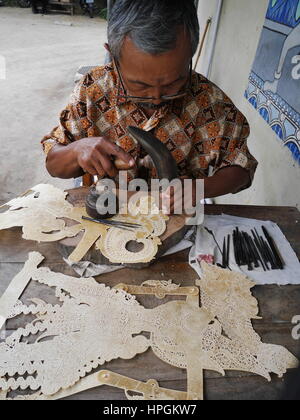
(274, 83)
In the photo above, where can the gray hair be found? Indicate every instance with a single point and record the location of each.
(152, 24)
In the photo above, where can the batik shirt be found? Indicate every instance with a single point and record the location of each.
(204, 131)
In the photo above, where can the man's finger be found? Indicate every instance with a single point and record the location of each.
(121, 165)
(117, 151)
(166, 205)
(90, 169)
(108, 166)
(165, 199)
(177, 204)
(171, 211)
(98, 168)
(168, 210)
(96, 161)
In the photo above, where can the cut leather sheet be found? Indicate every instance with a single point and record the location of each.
(3, 395)
(42, 213)
(9, 299)
(113, 246)
(227, 296)
(134, 390)
(39, 213)
(143, 211)
(159, 289)
(81, 335)
(51, 355)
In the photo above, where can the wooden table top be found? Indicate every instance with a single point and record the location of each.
(278, 305)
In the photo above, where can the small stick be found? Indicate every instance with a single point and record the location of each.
(256, 253)
(240, 248)
(262, 247)
(269, 254)
(253, 256)
(279, 259)
(228, 250)
(236, 255)
(259, 250)
(243, 249)
(265, 249)
(247, 252)
(224, 254)
(213, 235)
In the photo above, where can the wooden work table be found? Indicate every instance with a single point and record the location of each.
(278, 305)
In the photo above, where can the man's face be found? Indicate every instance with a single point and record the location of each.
(154, 76)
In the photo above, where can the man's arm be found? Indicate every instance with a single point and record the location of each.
(227, 180)
(76, 147)
(62, 162)
(91, 155)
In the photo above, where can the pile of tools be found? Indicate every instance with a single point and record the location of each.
(253, 251)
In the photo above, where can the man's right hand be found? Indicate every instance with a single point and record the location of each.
(93, 155)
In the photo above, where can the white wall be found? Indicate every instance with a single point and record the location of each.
(277, 180)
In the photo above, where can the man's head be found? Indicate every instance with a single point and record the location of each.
(153, 42)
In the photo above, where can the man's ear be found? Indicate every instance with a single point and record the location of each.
(106, 46)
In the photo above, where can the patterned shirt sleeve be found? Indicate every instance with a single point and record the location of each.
(234, 150)
(221, 139)
(73, 121)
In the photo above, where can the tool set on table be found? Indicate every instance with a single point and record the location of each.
(253, 251)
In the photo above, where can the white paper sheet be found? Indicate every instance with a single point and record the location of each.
(224, 225)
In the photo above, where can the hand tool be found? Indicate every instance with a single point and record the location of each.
(114, 223)
(163, 161)
(278, 258)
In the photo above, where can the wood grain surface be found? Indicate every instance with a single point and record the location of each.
(278, 305)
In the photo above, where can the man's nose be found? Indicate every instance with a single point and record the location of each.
(157, 94)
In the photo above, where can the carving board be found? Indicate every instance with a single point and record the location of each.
(176, 229)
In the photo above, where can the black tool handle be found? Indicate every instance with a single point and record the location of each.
(163, 159)
(278, 258)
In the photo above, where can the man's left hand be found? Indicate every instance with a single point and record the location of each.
(175, 200)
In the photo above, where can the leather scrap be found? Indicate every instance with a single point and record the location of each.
(42, 213)
(71, 338)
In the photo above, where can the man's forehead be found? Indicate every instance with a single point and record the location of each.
(136, 62)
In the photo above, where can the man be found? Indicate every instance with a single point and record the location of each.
(150, 84)
(43, 3)
(90, 7)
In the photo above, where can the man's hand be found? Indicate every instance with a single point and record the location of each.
(178, 199)
(93, 155)
(228, 180)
